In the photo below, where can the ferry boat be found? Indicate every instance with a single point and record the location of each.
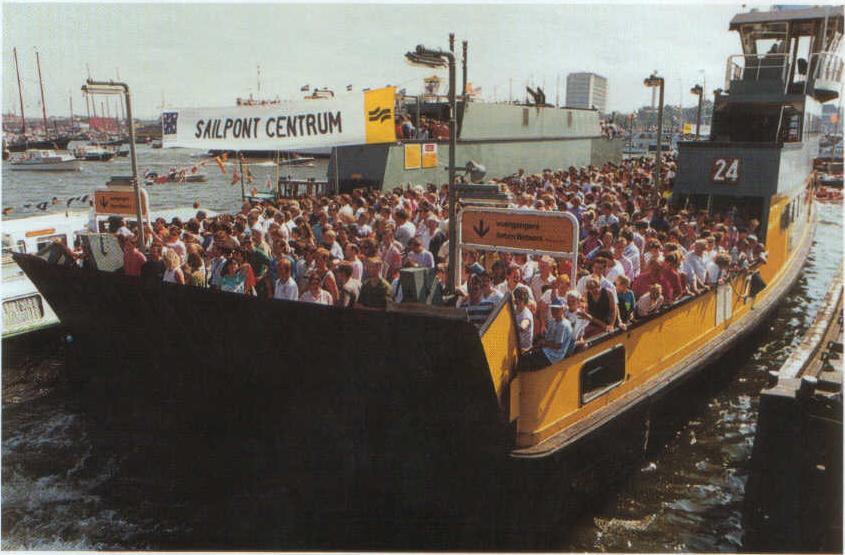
(45, 160)
(401, 428)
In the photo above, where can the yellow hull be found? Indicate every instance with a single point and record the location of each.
(551, 407)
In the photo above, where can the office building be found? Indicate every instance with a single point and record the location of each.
(586, 90)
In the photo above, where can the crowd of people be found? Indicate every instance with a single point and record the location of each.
(636, 255)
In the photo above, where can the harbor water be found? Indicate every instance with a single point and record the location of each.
(68, 484)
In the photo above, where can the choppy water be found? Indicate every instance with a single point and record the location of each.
(66, 485)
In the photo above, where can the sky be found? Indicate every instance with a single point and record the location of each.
(197, 55)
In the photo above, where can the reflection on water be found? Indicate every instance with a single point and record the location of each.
(67, 485)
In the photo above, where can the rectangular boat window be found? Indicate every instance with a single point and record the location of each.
(602, 373)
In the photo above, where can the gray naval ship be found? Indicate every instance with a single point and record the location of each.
(499, 136)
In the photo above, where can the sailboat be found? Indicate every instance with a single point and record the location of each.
(25, 141)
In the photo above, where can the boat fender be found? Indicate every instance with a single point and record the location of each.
(757, 284)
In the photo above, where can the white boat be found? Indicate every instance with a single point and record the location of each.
(45, 160)
(24, 309)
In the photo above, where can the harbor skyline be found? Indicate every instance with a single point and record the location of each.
(208, 55)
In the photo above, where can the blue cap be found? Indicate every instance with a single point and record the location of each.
(476, 269)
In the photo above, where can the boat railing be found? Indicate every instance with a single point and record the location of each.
(598, 338)
(826, 66)
(756, 67)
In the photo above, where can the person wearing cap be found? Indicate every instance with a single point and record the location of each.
(557, 342)
(756, 250)
(557, 289)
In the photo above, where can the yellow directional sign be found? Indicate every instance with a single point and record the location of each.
(554, 233)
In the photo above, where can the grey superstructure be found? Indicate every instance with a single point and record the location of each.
(767, 122)
(501, 137)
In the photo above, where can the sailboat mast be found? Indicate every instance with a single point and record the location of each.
(41, 85)
(20, 92)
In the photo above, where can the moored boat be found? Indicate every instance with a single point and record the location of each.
(45, 160)
(94, 153)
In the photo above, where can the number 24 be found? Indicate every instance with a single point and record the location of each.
(726, 171)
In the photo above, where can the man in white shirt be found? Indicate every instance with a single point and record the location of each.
(695, 267)
(285, 288)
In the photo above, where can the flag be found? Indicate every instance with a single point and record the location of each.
(219, 160)
(168, 123)
(235, 177)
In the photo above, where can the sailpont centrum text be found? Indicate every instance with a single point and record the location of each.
(298, 125)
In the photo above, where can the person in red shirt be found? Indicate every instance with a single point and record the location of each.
(133, 258)
(671, 279)
(647, 278)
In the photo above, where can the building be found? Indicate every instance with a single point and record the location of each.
(586, 90)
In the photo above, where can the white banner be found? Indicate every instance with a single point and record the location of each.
(350, 119)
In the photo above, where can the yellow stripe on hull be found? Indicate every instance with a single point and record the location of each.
(550, 401)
